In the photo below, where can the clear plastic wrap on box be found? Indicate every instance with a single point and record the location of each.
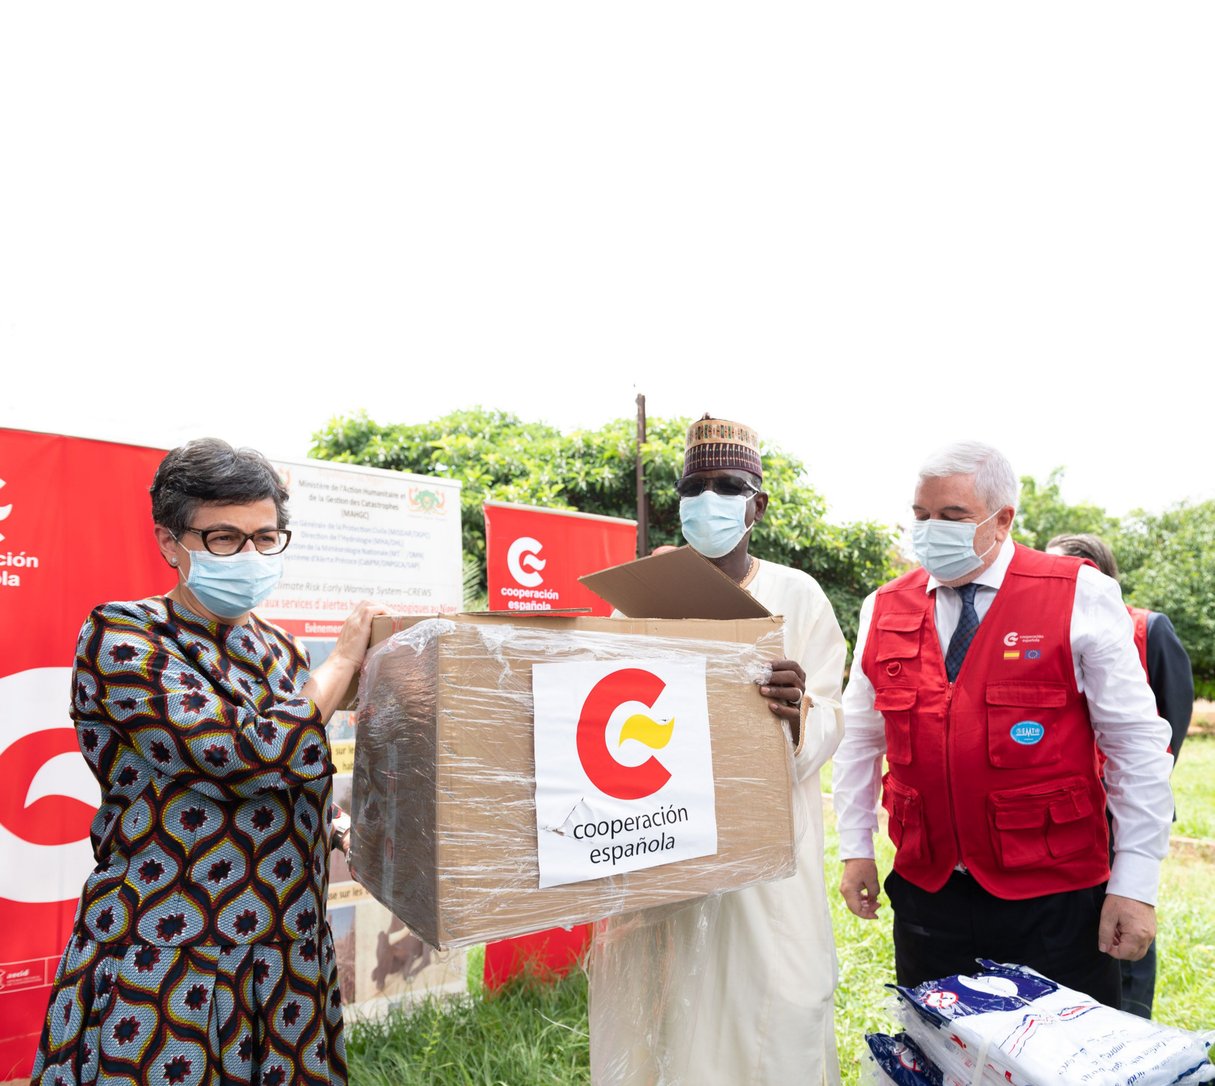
(444, 783)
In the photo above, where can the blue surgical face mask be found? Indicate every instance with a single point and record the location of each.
(946, 548)
(230, 585)
(713, 523)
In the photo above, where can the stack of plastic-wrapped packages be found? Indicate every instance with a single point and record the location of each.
(1008, 1024)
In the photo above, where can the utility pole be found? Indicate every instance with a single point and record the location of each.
(643, 506)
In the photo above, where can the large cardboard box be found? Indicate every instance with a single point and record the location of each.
(445, 827)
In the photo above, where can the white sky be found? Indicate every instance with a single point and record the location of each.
(866, 229)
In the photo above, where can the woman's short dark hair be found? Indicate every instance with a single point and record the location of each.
(1084, 545)
(208, 471)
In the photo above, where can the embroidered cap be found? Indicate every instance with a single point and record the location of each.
(718, 443)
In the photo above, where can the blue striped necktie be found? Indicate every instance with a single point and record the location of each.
(968, 626)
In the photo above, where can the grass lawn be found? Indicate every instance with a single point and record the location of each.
(1192, 786)
(538, 1035)
(526, 1034)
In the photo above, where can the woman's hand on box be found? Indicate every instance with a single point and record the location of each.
(329, 681)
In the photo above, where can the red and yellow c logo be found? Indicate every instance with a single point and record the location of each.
(607, 774)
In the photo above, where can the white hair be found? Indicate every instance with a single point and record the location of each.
(995, 481)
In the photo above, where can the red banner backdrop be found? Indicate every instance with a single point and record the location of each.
(75, 531)
(534, 557)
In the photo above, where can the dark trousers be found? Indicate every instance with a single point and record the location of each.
(938, 935)
(1139, 984)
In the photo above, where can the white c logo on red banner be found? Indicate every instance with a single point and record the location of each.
(522, 553)
(32, 703)
(4, 511)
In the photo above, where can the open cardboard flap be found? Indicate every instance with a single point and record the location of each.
(674, 584)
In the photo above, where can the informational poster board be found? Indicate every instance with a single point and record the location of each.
(76, 531)
(364, 533)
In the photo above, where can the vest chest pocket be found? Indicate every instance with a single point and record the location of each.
(897, 636)
(1034, 826)
(895, 704)
(905, 809)
(1023, 722)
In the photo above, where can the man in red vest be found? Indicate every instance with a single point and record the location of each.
(983, 678)
(1171, 678)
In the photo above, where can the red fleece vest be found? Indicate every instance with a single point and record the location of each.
(995, 770)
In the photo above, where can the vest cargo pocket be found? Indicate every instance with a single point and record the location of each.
(1022, 723)
(1034, 826)
(905, 809)
(895, 704)
(897, 636)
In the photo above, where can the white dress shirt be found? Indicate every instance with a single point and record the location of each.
(1121, 707)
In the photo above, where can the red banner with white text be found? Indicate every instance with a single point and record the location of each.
(534, 557)
(75, 531)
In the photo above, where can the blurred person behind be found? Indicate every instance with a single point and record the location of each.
(1171, 678)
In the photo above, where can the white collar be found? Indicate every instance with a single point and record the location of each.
(993, 576)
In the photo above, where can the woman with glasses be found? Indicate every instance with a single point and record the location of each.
(200, 950)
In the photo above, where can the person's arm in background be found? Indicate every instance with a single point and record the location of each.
(1171, 677)
(857, 782)
(1134, 739)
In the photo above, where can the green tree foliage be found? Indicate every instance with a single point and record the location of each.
(1043, 514)
(499, 457)
(1167, 563)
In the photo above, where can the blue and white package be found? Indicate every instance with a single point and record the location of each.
(901, 1061)
(1024, 1029)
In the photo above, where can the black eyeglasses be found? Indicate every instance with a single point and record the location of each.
(728, 486)
(227, 541)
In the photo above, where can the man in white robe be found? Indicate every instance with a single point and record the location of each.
(736, 988)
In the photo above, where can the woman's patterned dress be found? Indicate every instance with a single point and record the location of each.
(200, 952)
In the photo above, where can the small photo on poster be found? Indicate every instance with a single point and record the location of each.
(341, 724)
(343, 923)
(343, 789)
(339, 870)
(318, 649)
(394, 963)
(341, 728)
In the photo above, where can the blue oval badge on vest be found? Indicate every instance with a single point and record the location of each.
(1027, 732)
